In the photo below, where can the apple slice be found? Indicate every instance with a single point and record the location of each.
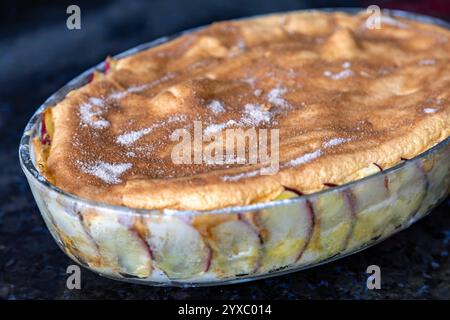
(234, 242)
(47, 127)
(407, 188)
(42, 143)
(236, 248)
(285, 231)
(95, 76)
(373, 211)
(121, 248)
(177, 247)
(333, 224)
(437, 171)
(66, 224)
(110, 65)
(384, 203)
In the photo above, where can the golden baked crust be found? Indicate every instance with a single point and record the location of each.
(344, 98)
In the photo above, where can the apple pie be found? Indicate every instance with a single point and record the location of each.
(347, 100)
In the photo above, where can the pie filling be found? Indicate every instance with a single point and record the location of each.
(345, 100)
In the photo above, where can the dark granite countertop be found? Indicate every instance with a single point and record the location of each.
(38, 55)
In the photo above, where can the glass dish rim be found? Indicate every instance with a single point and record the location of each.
(29, 168)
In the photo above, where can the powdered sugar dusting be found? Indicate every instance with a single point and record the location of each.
(346, 64)
(90, 113)
(133, 136)
(241, 176)
(340, 75)
(310, 156)
(118, 95)
(216, 106)
(307, 157)
(255, 114)
(334, 142)
(129, 138)
(140, 88)
(275, 97)
(96, 101)
(107, 172)
(429, 110)
(214, 128)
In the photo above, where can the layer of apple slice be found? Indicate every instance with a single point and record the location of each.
(235, 244)
(384, 203)
(120, 246)
(178, 248)
(372, 204)
(47, 126)
(437, 171)
(64, 221)
(236, 248)
(285, 231)
(41, 143)
(333, 224)
(407, 187)
(110, 64)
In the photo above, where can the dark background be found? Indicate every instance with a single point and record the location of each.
(38, 55)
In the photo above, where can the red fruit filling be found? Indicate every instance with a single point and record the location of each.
(45, 138)
(91, 77)
(107, 66)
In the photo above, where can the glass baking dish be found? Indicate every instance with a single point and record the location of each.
(235, 244)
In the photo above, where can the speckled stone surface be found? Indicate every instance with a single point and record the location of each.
(42, 55)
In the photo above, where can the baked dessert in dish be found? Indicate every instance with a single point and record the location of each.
(363, 118)
(343, 96)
